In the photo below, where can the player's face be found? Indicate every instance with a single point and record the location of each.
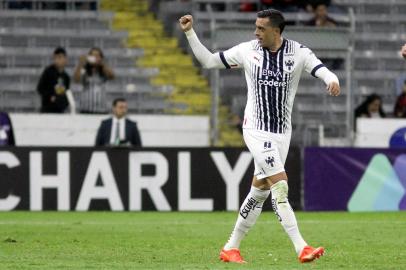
(265, 33)
(120, 110)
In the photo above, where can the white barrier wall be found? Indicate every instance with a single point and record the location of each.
(377, 132)
(80, 130)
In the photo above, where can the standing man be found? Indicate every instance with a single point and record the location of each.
(118, 130)
(273, 66)
(54, 84)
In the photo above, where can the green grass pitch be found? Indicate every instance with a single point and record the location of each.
(153, 240)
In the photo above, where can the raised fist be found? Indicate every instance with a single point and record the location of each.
(186, 22)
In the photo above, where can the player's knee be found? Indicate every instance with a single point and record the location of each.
(259, 195)
(280, 192)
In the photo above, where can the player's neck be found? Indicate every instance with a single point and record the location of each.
(276, 44)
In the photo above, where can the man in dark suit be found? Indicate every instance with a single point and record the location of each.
(118, 130)
(6, 130)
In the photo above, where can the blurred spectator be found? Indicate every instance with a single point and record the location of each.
(400, 105)
(282, 5)
(6, 130)
(309, 5)
(86, 5)
(321, 18)
(118, 130)
(54, 83)
(52, 5)
(93, 72)
(12, 4)
(247, 6)
(370, 108)
(403, 51)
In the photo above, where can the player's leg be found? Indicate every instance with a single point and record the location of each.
(250, 209)
(249, 212)
(286, 217)
(278, 184)
(283, 210)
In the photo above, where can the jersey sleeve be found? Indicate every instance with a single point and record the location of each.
(311, 62)
(233, 57)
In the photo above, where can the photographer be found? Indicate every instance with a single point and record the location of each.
(93, 73)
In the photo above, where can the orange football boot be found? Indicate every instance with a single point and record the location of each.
(231, 255)
(309, 254)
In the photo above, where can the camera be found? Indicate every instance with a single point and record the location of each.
(91, 59)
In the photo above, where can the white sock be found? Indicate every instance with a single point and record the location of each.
(249, 212)
(285, 214)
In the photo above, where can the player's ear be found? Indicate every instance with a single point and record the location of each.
(276, 30)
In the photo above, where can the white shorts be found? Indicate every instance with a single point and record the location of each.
(269, 151)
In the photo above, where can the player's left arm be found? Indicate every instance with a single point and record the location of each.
(316, 68)
(330, 79)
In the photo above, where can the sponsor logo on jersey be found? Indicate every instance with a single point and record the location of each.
(268, 72)
(272, 83)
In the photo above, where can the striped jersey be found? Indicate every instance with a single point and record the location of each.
(272, 81)
(93, 98)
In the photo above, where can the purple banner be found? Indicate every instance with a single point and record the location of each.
(354, 179)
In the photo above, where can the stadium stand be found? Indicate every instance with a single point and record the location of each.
(380, 32)
(152, 72)
(163, 79)
(28, 37)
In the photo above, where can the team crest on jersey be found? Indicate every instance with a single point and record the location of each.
(270, 161)
(289, 64)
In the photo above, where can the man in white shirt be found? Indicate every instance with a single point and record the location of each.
(118, 130)
(273, 66)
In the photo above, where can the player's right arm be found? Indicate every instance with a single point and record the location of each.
(203, 55)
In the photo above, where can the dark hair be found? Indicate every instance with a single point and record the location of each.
(97, 49)
(117, 100)
(60, 50)
(275, 17)
(99, 69)
(363, 108)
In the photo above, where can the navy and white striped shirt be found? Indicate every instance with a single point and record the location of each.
(272, 81)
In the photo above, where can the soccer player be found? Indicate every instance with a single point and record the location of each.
(273, 66)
